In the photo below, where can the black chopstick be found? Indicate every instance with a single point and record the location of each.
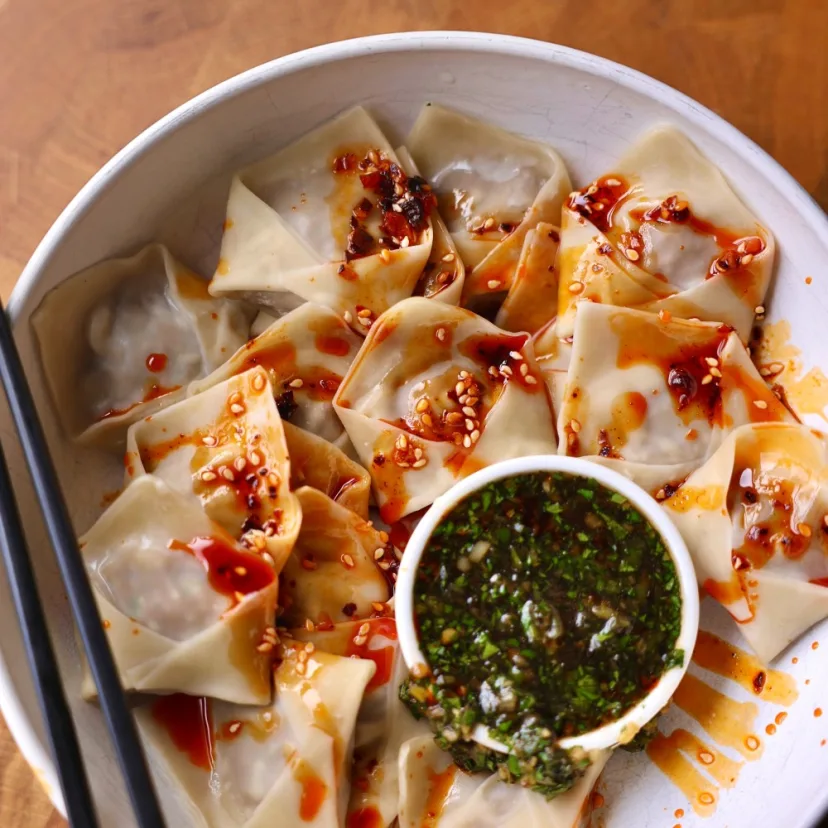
(119, 720)
(63, 738)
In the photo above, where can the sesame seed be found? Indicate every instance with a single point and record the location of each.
(235, 727)
(716, 372)
(377, 606)
(310, 647)
(469, 411)
(707, 379)
(365, 321)
(576, 287)
(608, 182)
(422, 405)
(426, 420)
(208, 476)
(454, 417)
(384, 537)
(475, 435)
(303, 656)
(661, 495)
(711, 361)
(530, 380)
(360, 640)
(258, 382)
(235, 397)
(402, 442)
(440, 333)
(237, 408)
(378, 553)
(227, 474)
(239, 463)
(403, 465)
(396, 208)
(464, 375)
(300, 669)
(449, 257)
(761, 404)
(309, 625)
(575, 426)
(418, 464)
(472, 401)
(759, 310)
(506, 370)
(493, 284)
(347, 560)
(348, 316)
(804, 530)
(373, 156)
(469, 425)
(273, 479)
(296, 383)
(255, 458)
(364, 312)
(632, 255)
(240, 571)
(239, 596)
(466, 441)
(665, 315)
(384, 565)
(459, 388)
(209, 441)
(405, 242)
(746, 259)
(516, 355)
(524, 369)
(385, 255)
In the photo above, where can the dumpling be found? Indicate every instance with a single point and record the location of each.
(532, 301)
(664, 231)
(492, 188)
(321, 465)
(434, 792)
(306, 354)
(645, 389)
(257, 767)
(444, 273)
(186, 609)
(226, 449)
(125, 337)
(331, 219)
(384, 722)
(333, 572)
(754, 519)
(436, 393)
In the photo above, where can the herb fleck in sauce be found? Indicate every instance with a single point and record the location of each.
(547, 606)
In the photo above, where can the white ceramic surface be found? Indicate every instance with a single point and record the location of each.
(171, 182)
(621, 730)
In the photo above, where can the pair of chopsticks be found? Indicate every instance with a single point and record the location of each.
(53, 704)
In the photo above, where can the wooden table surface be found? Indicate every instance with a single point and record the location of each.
(80, 78)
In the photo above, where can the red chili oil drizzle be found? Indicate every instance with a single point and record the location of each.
(156, 363)
(598, 201)
(186, 720)
(230, 571)
(383, 657)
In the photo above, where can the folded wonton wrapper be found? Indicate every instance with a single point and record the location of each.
(123, 339)
(492, 188)
(753, 517)
(648, 391)
(436, 393)
(332, 565)
(258, 767)
(444, 273)
(288, 223)
(226, 448)
(434, 792)
(179, 615)
(384, 722)
(532, 301)
(321, 465)
(306, 354)
(663, 231)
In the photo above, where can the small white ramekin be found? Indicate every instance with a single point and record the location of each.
(621, 730)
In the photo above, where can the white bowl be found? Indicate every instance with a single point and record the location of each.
(170, 183)
(621, 730)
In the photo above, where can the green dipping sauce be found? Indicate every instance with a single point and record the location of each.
(547, 605)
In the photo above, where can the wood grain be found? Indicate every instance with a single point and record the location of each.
(80, 78)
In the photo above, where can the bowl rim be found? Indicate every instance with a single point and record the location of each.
(623, 729)
(33, 749)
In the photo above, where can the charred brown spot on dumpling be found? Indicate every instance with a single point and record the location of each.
(286, 404)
